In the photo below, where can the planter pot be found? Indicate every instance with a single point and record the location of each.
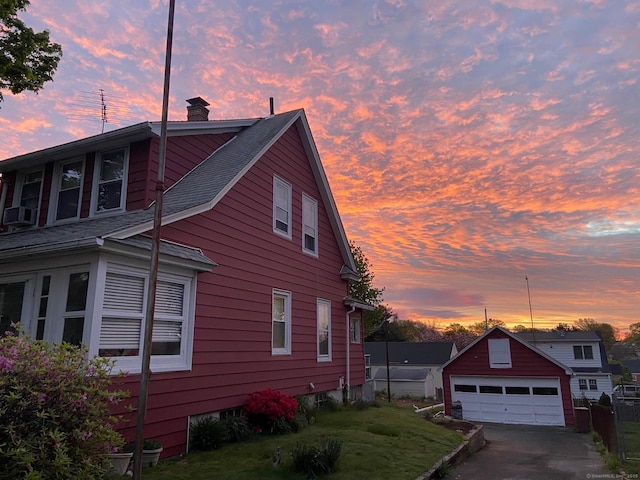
(150, 457)
(118, 463)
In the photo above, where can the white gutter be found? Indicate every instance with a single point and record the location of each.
(353, 309)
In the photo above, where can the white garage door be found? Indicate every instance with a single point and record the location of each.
(528, 401)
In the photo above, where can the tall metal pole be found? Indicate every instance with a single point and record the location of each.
(155, 254)
(529, 295)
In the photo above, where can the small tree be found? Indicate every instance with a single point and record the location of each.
(54, 411)
(28, 59)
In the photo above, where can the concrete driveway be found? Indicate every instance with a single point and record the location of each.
(527, 452)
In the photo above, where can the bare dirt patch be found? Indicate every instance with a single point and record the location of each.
(461, 426)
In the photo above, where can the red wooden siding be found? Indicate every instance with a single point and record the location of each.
(525, 363)
(232, 347)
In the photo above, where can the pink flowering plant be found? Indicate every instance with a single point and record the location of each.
(54, 411)
(269, 409)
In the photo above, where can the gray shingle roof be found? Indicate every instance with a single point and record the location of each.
(559, 336)
(409, 353)
(413, 374)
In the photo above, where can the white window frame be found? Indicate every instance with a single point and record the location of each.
(282, 189)
(499, 353)
(17, 199)
(582, 384)
(55, 191)
(309, 223)
(354, 330)
(286, 296)
(95, 186)
(321, 305)
(593, 384)
(159, 363)
(27, 305)
(582, 352)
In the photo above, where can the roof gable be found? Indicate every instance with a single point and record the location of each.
(507, 333)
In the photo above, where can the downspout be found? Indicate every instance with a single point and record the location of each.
(353, 309)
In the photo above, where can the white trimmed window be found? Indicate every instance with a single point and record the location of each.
(281, 322)
(110, 181)
(309, 225)
(31, 191)
(499, 353)
(583, 352)
(593, 384)
(354, 329)
(123, 317)
(324, 330)
(66, 193)
(582, 383)
(281, 207)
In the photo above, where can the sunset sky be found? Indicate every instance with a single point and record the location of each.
(469, 144)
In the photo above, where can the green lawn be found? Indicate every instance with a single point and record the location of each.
(631, 432)
(390, 443)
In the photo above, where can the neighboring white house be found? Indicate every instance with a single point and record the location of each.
(414, 367)
(583, 352)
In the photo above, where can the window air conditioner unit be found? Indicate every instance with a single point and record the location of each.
(19, 216)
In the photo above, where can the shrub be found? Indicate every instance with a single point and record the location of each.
(54, 411)
(207, 434)
(604, 400)
(316, 460)
(151, 444)
(236, 429)
(305, 407)
(267, 407)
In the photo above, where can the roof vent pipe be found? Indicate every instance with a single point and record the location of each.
(197, 110)
(271, 108)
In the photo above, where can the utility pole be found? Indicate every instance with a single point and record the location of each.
(155, 255)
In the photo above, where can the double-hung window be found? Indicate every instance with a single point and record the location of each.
(31, 191)
(110, 183)
(281, 322)
(309, 225)
(123, 316)
(593, 384)
(67, 194)
(324, 330)
(281, 207)
(354, 326)
(582, 383)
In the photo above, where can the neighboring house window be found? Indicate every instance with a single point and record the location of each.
(582, 383)
(309, 225)
(324, 330)
(281, 323)
(354, 326)
(583, 352)
(499, 353)
(281, 207)
(593, 384)
(123, 313)
(31, 191)
(67, 193)
(109, 189)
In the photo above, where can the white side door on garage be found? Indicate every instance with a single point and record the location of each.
(528, 401)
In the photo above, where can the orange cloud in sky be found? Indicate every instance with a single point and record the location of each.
(467, 144)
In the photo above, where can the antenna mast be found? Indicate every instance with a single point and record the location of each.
(529, 295)
(103, 109)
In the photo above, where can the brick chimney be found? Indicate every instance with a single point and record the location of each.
(197, 110)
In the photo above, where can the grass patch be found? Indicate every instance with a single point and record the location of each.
(390, 442)
(631, 432)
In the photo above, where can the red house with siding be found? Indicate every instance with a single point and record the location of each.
(503, 379)
(254, 263)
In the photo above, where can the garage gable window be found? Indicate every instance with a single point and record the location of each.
(499, 353)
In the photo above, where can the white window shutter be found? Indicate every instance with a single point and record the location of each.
(120, 333)
(124, 293)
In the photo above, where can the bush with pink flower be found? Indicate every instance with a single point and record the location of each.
(271, 410)
(54, 411)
